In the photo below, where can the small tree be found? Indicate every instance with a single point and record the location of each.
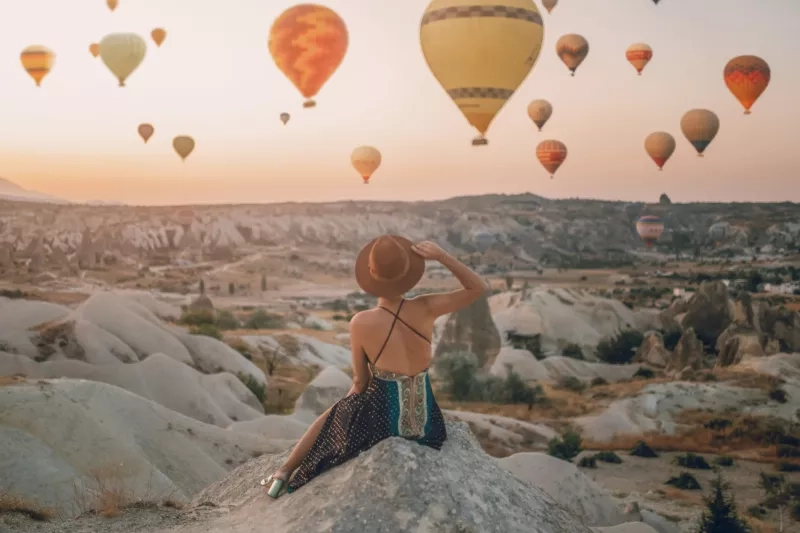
(272, 359)
(231, 288)
(565, 448)
(509, 283)
(263, 282)
(779, 494)
(720, 515)
(202, 287)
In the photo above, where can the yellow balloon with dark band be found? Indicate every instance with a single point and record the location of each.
(158, 35)
(37, 61)
(146, 131)
(549, 5)
(94, 49)
(572, 49)
(183, 145)
(747, 77)
(366, 160)
(540, 111)
(700, 126)
(122, 53)
(481, 51)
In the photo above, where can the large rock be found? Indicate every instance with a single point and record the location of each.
(688, 353)
(211, 355)
(556, 368)
(472, 330)
(398, 485)
(652, 351)
(302, 349)
(709, 311)
(737, 342)
(330, 386)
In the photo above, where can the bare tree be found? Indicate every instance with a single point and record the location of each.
(273, 357)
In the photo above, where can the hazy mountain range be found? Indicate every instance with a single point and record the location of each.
(11, 191)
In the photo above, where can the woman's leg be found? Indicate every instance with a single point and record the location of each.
(302, 447)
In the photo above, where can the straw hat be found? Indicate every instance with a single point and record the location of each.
(387, 267)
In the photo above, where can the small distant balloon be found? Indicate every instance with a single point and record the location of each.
(747, 77)
(700, 126)
(660, 146)
(146, 131)
(549, 5)
(285, 118)
(540, 111)
(551, 155)
(572, 49)
(649, 228)
(37, 61)
(183, 145)
(158, 35)
(639, 55)
(366, 160)
(122, 53)
(112, 4)
(94, 49)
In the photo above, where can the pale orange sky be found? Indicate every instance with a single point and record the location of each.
(214, 79)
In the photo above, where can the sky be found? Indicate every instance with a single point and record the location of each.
(214, 79)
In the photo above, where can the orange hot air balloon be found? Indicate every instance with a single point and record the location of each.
(659, 145)
(747, 77)
(639, 55)
(183, 145)
(94, 49)
(158, 35)
(112, 4)
(551, 155)
(146, 131)
(308, 43)
(37, 61)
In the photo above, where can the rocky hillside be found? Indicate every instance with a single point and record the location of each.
(501, 231)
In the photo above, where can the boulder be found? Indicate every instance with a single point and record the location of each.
(737, 342)
(688, 353)
(709, 311)
(330, 386)
(211, 356)
(652, 351)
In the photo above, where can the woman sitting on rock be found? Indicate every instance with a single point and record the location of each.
(391, 394)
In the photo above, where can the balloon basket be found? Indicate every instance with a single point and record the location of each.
(572, 73)
(700, 155)
(308, 104)
(746, 111)
(366, 179)
(480, 141)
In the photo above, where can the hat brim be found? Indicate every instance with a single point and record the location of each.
(370, 285)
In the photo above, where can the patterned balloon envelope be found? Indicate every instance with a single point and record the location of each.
(747, 77)
(551, 155)
(649, 228)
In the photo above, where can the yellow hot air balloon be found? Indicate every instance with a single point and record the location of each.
(285, 118)
(549, 5)
(94, 49)
(540, 111)
(308, 43)
(122, 53)
(747, 77)
(700, 126)
(481, 52)
(112, 4)
(37, 61)
(572, 49)
(659, 146)
(551, 155)
(639, 55)
(158, 35)
(146, 131)
(366, 160)
(183, 145)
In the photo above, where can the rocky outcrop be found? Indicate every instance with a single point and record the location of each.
(737, 342)
(709, 311)
(330, 386)
(556, 368)
(471, 329)
(652, 351)
(687, 354)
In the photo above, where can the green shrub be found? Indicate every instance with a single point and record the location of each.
(785, 466)
(778, 395)
(608, 457)
(226, 321)
(571, 383)
(209, 330)
(757, 511)
(693, 461)
(260, 319)
(641, 449)
(598, 381)
(197, 317)
(621, 349)
(588, 462)
(724, 460)
(685, 481)
(572, 351)
(644, 373)
(565, 448)
(257, 388)
(720, 515)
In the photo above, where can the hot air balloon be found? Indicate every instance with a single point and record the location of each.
(37, 61)
(747, 77)
(639, 55)
(540, 111)
(122, 53)
(700, 126)
(649, 228)
(183, 145)
(656, 2)
(112, 4)
(659, 146)
(551, 155)
(365, 160)
(285, 118)
(94, 49)
(308, 43)
(549, 5)
(572, 49)
(480, 54)
(146, 131)
(158, 35)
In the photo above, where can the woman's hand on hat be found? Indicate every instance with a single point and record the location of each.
(429, 250)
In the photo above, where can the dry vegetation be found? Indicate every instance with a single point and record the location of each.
(13, 504)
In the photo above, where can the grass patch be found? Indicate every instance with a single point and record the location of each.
(13, 504)
(724, 460)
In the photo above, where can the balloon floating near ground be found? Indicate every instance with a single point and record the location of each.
(366, 160)
(158, 35)
(145, 131)
(549, 5)
(551, 155)
(285, 118)
(660, 146)
(572, 49)
(112, 4)
(94, 49)
(540, 112)
(481, 54)
(37, 61)
(308, 43)
(747, 77)
(122, 53)
(649, 228)
(183, 145)
(700, 126)
(639, 55)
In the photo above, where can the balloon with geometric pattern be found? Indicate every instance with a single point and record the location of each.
(747, 77)
(540, 111)
(639, 55)
(572, 49)
(649, 228)
(551, 155)
(660, 146)
(122, 53)
(480, 53)
(37, 61)
(700, 126)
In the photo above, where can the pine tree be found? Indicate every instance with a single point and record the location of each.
(720, 515)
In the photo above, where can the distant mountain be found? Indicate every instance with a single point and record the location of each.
(11, 191)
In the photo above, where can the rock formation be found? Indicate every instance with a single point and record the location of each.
(472, 330)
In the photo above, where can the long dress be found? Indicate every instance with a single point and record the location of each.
(394, 405)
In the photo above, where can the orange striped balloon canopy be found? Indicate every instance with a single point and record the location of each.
(308, 43)
(551, 155)
(37, 61)
(639, 55)
(747, 77)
